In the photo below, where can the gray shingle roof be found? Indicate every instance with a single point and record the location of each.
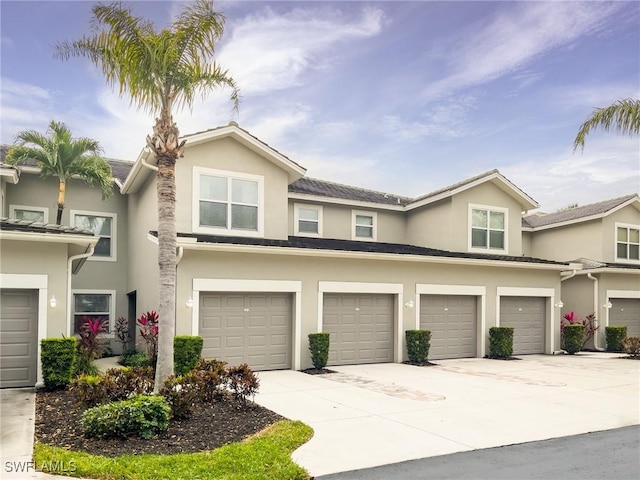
(322, 188)
(543, 219)
(13, 225)
(588, 264)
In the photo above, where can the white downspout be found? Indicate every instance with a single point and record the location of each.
(179, 255)
(70, 261)
(143, 160)
(565, 276)
(595, 310)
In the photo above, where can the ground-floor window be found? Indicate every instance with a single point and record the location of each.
(92, 305)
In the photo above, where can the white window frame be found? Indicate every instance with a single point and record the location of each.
(615, 243)
(114, 233)
(112, 307)
(374, 233)
(488, 208)
(44, 210)
(296, 215)
(195, 205)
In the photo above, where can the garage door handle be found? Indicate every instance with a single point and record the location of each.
(246, 309)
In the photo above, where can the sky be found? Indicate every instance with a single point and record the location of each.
(401, 97)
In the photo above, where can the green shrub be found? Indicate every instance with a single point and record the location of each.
(242, 382)
(500, 342)
(186, 353)
(181, 393)
(134, 359)
(142, 415)
(573, 338)
(89, 390)
(123, 383)
(59, 357)
(615, 334)
(418, 345)
(319, 348)
(631, 346)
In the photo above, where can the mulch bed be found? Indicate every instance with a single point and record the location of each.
(501, 358)
(420, 364)
(210, 426)
(317, 371)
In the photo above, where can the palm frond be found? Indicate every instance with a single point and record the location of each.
(94, 170)
(623, 116)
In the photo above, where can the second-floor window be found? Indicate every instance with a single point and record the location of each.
(488, 228)
(364, 225)
(628, 242)
(227, 202)
(308, 220)
(31, 214)
(102, 225)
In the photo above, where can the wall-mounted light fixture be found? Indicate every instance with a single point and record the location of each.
(560, 304)
(189, 303)
(53, 302)
(607, 305)
(409, 304)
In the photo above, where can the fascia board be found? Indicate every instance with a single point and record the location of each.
(628, 271)
(49, 237)
(305, 252)
(343, 201)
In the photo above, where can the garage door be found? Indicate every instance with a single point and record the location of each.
(527, 316)
(626, 311)
(360, 328)
(452, 322)
(18, 338)
(247, 328)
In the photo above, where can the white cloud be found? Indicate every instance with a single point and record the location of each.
(24, 107)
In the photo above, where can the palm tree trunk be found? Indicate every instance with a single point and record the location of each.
(61, 194)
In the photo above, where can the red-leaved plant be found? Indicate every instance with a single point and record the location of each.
(589, 323)
(89, 342)
(148, 324)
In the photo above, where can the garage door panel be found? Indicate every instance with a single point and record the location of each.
(527, 317)
(626, 311)
(18, 337)
(452, 322)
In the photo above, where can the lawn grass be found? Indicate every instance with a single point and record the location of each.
(263, 456)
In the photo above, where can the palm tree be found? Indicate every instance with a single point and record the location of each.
(623, 115)
(160, 71)
(58, 154)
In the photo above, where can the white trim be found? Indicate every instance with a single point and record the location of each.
(114, 232)
(365, 288)
(296, 219)
(74, 239)
(89, 291)
(628, 226)
(44, 210)
(345, 202)
(235, 285)
(478, 291)
(548, 293)
(374, 225)
(32, 282)
(612, 295)
(488, 209)
(195, 203)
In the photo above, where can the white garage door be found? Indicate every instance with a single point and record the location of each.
(360, 328)
(626, 311)
(253, 328)
(18, 338)
(452, 322)
(527, 316)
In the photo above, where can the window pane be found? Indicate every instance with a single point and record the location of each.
(634, 235)
(30, 215)
(364, 232)
(307, 227)
(634, 252)
(308, 214)
(213, 188)
(622, 234)
(479, 218)
(103, 248)
(364, 220)
(496, 220)
(92, 302)
(622, 250)
(213, 214)
(496, 239)
(478, 238)
(244, 191)
(244, 217)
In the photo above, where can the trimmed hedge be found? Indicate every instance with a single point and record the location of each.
(572, 335)
(500, 342)
(319, 348)
(615, 334)
(143, 416)
(59, 357)
(186, 353)
(418, 345)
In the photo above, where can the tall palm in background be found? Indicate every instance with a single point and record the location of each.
(58, 154)
(623, 116)
(160, 71)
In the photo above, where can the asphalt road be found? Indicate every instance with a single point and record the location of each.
(611, 454)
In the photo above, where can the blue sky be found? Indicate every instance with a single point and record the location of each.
(403, 97)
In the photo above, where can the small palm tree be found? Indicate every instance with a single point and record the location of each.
(160, 71)
(623, 115)
(58, 154)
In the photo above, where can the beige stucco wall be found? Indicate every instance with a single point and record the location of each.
(431, 225)
(583, 240)
(628, 215)
(313, 269)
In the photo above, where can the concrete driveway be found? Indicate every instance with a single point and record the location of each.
(370, 415)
